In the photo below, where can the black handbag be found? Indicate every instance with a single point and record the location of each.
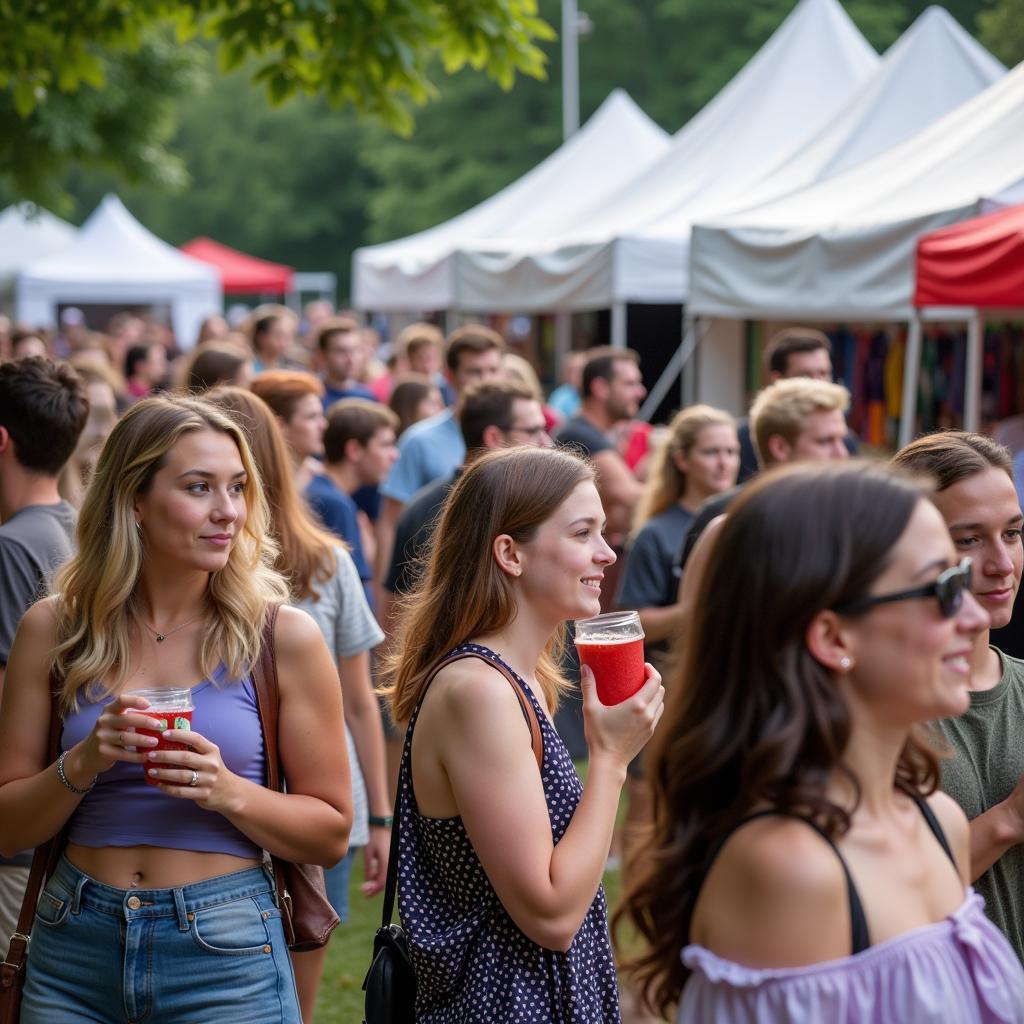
(390, 983)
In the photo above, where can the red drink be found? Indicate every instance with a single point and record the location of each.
(176, 718)
(618, 667)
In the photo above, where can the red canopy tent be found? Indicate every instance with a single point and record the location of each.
(961, 271)
(240, 273)
(978, 262)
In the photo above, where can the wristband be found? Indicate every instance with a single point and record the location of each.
(381, 821)
(68, 784)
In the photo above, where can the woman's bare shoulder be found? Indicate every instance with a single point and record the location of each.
(775, 897)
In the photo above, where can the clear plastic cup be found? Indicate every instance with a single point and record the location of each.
(171, 708)
(612, 646)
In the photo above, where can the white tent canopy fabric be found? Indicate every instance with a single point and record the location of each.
(929, 71)
(606, 253)
(27, 234)
(114, 259)
(844, 248)
(419, 272)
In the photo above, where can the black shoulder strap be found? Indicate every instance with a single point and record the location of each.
(536, 741)
(933, 824)
(860, 938)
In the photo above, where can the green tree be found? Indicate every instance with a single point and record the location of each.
(1001, 29)
(376, 55)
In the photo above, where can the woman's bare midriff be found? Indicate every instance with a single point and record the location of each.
(152, 867)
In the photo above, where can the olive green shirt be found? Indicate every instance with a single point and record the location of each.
(988, 762)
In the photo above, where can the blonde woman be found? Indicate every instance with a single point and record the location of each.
(698, 458)
(160, 907)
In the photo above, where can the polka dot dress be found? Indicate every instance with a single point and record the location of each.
(473, 964)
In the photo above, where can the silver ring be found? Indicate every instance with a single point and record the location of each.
(195, 777)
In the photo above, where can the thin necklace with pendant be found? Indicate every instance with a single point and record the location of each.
(161, 637)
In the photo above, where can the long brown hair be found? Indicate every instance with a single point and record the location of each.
(306, 551)
(753, 718)
(463, 592)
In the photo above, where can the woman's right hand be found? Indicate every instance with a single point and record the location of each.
(622, 730)
(114, 736)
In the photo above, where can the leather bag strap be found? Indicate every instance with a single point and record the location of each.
(264, 678)
(44, 860)
(536, 742)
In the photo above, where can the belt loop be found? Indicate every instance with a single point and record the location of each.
(179, 906)
(76, 900)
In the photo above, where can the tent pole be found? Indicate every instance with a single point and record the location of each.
(911, 375)
(670, 374)
(563, 341)
(972, 383)
(619, 324)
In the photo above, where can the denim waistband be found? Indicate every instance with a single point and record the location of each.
(180, 902)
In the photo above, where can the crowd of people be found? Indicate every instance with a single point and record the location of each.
(824, 796)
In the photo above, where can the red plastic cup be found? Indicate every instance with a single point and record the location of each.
(170, 709)
(612, 646)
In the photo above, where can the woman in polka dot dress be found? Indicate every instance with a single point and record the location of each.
(499, 866)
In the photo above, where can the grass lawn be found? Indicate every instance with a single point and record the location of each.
(348, 956)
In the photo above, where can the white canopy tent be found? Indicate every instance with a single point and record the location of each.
(929, 71)
(420, 272)
(114, 259)
(27, 234)
(844, 249)
(601, 256)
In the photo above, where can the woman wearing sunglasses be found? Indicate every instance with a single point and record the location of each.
(803, 866)
(976, 497)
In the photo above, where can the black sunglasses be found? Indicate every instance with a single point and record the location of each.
(948, 590)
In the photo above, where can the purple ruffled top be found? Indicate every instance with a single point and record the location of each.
(958, 970)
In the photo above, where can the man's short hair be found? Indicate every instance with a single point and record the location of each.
(474, 338)
(418, 335)
(43, 406)
(336, 325)
(789, 342)
(136, 354)
(782, 409)
(282, 390)
(488, 404)
(600, 365)
(354, 419)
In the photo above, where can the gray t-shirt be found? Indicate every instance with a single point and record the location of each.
(988, 764)
(34, 543)
(349, 628)
(647, 579)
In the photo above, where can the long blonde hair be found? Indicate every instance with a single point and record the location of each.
(666, 482)
(98, 604)
(463, 592)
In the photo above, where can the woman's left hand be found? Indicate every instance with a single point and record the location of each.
(375, 861)
(198, 774)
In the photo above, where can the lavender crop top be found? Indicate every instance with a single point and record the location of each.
(123, 810)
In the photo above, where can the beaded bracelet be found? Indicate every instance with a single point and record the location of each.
(67, 782)
(381, 821)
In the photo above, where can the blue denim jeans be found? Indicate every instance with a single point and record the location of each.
(213, 951)
(336, 882)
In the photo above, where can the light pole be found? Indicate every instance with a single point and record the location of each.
(570, 69)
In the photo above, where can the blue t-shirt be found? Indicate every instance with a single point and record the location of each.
(339, 513)
(332, 395)
(429, 450)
